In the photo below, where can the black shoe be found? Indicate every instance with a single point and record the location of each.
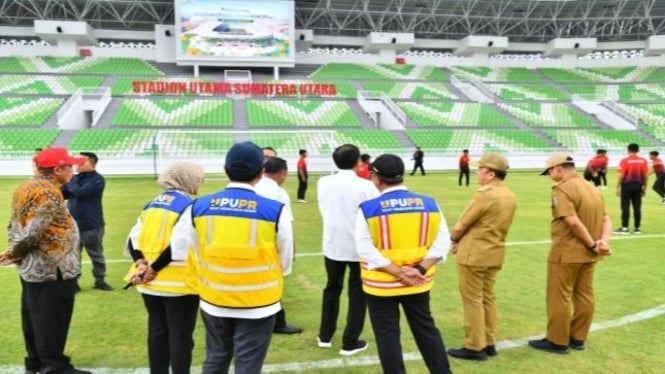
(103, 286)
(548, 346)
(490, 350)
(577, 345)
(286, 329)
(30, 371)
(360, 346)
(468, 354)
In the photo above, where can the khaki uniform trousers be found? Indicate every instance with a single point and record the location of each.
(476, 285)
(569, 284)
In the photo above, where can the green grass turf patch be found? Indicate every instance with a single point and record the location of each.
(109, 328)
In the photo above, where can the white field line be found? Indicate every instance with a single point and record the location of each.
(509, 244)
(374, 360)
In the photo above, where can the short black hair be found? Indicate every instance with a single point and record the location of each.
(633, 147)
(39, 149)
(269, 149)
(501, 174)
(91, 156)
(302, 152)
(274, 165)
(654, 153)
(465, 151)
(346, 156)
(364, 157)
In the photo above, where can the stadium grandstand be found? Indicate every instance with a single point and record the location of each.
(151, 81)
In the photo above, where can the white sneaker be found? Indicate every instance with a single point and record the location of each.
(322, 344)
(301, 201)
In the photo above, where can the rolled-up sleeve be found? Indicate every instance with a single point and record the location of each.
(441, 244)
(184, 236)
(365, 245)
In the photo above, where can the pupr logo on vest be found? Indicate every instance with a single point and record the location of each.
(407, 203)
(164, 199)
(227, 203)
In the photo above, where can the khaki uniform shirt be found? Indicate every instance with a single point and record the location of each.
(487, 220)
(575, 197)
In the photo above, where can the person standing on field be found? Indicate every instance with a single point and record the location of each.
(168, 296)
(363, 167)
(84, 199)
(418, 157)
(275, 172)
(479, 240)
(303, 176)
(631, 187)
(464, 168)
(401, 236)
(241, 248)
(580, 229)
(44, 246)
(339, 196)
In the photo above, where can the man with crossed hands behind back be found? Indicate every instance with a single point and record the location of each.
(401, 236)
(580, 230)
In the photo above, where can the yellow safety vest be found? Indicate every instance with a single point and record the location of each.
(238, 264)
(403, 226)
(159, 216)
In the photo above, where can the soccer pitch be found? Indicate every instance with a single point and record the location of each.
(108, 331)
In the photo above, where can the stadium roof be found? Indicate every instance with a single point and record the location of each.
(520, 20)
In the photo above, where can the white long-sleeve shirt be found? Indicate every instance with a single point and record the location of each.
(184, 236)
(339, 197)
(439, 248)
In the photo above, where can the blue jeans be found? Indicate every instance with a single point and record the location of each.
(246, 340)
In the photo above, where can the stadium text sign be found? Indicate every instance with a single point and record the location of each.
(224, 88)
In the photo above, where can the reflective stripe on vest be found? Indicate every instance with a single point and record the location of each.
(159, 216)
(238, 264)
(392, 219)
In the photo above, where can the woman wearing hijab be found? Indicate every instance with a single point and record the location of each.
(170, 299)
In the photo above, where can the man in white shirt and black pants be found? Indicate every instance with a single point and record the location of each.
(339, 196)
(275, 171)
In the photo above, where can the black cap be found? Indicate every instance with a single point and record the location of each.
(388, 166)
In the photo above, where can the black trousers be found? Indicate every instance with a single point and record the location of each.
(46, 312)
(602, 176)
(357, 308)
(631, 193)
(588, 175)
(418, 165)
(171, 322)
(463, 173)
(384, 315)
(302, 188)
(659, 185)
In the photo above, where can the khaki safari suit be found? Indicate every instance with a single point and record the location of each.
(480, 255)
(570, 265)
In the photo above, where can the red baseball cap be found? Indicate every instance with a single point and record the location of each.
(56, 156)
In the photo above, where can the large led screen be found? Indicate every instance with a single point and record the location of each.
(254, 32)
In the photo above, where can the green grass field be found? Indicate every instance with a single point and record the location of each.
(109, 328)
